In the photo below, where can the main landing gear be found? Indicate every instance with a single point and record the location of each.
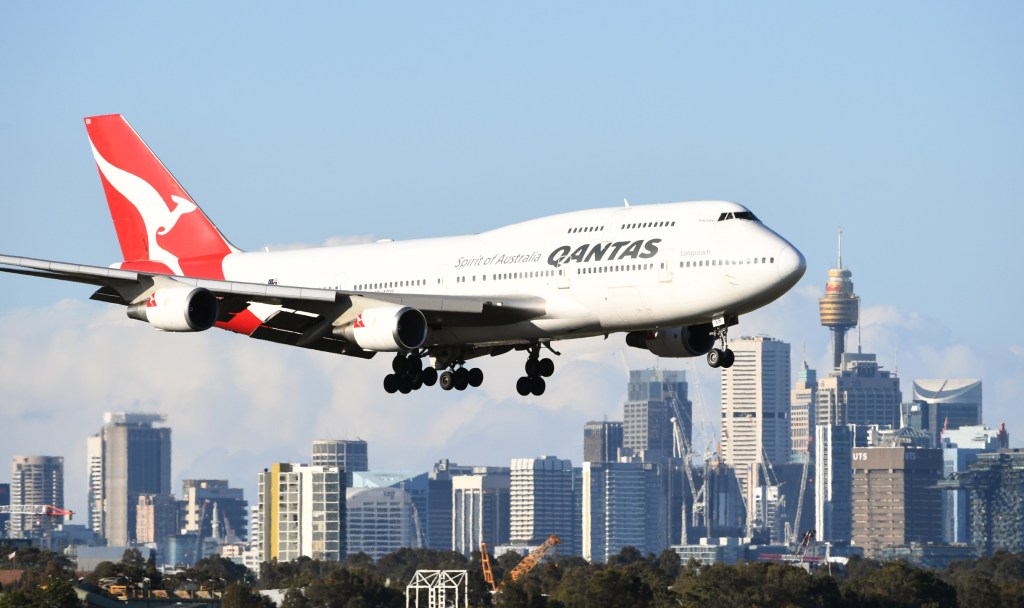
(536, 370)
(410, 375)
(721, 357)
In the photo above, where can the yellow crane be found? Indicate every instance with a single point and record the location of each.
(528, 563)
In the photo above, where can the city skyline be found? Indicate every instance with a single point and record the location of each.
(909, 143)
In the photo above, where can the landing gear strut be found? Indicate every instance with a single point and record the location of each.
(536, 370)
(721, 357)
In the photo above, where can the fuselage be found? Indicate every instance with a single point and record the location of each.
(597, 271)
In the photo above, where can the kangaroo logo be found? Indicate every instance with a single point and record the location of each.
(156, 215)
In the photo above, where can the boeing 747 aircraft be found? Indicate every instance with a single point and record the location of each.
(672, 277)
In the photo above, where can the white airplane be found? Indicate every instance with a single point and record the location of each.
(674, 277)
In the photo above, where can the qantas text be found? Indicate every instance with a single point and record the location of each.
(597, 252)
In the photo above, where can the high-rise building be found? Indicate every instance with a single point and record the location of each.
(755, 408)
(944, 405)
(415, 486)
(35, 480)
(840, 307)
(601, 441)
(439, 503)
(232, 508)
(381, 520)
(648, 411)
(995, 483)
(348, 455)
(859, 393)
(156, 518)
(301, 511)
(622, 506)
(5, 500)
(960, 449)
(833, 482)
(129, 457)
(895, 498)
(541, 499)
(481, 505)
(801, 413)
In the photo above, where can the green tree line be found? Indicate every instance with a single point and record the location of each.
(628, 579)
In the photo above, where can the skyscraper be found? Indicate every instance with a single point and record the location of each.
(481, 505)
(801, 413)
(946, 404)
(895, 500)
(648, 410)
(439, 503)
(5, 500)
(541, 498)
(860, 392)
(35, 480)
(601, 441)
(833, 481)
(349, 455)
(129, 457)
(301, 511)
(380, 520)
(996, 485)
(623, 506)
(755, 408)
(960, 449)
(231, 507)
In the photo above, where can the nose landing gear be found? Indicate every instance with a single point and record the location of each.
(721, 357)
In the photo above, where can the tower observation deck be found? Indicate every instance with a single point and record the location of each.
(840, 308)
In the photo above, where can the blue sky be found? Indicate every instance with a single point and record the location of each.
(327, 122)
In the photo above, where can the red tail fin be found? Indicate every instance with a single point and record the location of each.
(159, 227)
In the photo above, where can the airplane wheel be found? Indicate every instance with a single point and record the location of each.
(429, 376)
(545, 367)
(715, 357)
(476, 377)
(523, 385)
(461, 379)
(391, 383)
(398, 364)
(537, 386)
(728, 358)
(531, 367)
(447, 380)
(417, 382)
(405, 384)
(413, 364)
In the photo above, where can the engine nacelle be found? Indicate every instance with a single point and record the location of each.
(387, 329)
(691, 341)
(178, 309)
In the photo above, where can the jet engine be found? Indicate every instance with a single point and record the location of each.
(178, 309)
(387, 329)
(691, 341)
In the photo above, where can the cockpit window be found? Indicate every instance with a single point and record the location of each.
(737, 215)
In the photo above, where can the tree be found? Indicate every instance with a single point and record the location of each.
(56, 593)
(242, 596)
(897, 584)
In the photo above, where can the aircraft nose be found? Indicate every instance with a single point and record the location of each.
(790, 263)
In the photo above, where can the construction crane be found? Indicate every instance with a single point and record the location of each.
(46, 510)
(683, 452)
(47, 514)
(803, 488)
(528, 563)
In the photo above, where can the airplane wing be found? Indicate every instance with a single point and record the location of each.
(299, 316)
